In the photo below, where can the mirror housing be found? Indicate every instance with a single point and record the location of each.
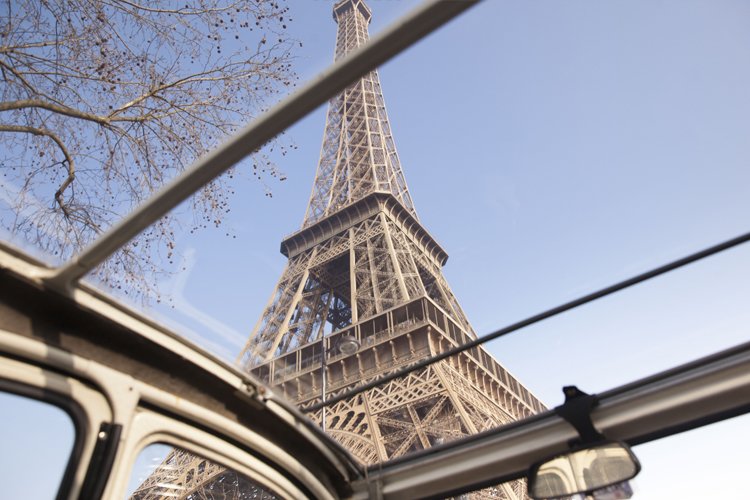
(347, 345)
(583, 470)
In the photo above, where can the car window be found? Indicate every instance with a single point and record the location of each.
(35, 436)
(162, 470)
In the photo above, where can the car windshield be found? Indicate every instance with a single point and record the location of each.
(550, 149)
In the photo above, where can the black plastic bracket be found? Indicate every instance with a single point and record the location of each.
(102, 458)
(577, 412)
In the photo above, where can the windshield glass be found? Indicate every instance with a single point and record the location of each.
(550, 150)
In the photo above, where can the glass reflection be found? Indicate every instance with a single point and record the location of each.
(161, 471)
(584, 471)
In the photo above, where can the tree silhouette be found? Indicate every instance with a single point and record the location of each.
(102, 101)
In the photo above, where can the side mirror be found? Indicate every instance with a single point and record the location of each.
(584, 470)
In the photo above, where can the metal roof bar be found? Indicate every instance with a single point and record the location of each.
(698, 393)
(394, 39)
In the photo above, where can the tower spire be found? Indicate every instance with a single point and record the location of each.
(340, 9)
(358, 156)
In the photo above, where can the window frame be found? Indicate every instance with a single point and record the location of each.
(150, 427)
(94, 394)
(86, 407)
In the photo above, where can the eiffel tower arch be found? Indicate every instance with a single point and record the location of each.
(363, 269)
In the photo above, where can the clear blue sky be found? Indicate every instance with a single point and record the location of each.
(552, 148)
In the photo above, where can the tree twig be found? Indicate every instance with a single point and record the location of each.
(68, 159)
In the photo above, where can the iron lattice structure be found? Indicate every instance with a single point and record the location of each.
(362, 266)
(187, 476)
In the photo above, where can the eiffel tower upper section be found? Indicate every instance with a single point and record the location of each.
(359, 155)
(363, 269)
(361, 250)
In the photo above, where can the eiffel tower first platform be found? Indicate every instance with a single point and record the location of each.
(364, 273)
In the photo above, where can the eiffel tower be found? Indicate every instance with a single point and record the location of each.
(362, 295)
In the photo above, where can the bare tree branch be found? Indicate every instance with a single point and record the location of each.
(55, 108)
(68, 159)
(130, 93)
(186, 11)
